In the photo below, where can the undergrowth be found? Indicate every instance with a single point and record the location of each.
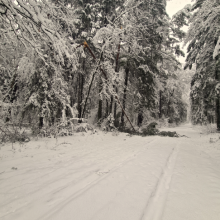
(13, 133)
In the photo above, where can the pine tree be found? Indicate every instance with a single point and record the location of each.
(202, 37)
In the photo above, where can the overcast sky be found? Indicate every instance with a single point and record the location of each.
(174, 6)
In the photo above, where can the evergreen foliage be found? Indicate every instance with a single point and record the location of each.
(66, 58)
(202, 39)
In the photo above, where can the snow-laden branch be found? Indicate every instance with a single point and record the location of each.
(39, 22)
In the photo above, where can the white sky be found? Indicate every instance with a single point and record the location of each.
(174, 6)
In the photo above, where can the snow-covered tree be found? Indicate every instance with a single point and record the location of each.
(45, 29)
(34, 22)
(116, 51)
(202, 38)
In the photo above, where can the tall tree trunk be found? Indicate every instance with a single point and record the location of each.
(80, 92)
(100, 102)
(218, 113)
(41, 122)
(106, 112)
(116, 122)
(140, 118)
(168, 109)
(52, 120)
(160, 104)
(79, 95)
(82, 85)
(125, 94)
(111, 104)
(115, 110)
(116, 90)
(217, 77)
(72, 98)
(115, 106)
(78, 100)
(9, 115)
(100, 109)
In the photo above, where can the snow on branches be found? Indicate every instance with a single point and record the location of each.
(34, 22)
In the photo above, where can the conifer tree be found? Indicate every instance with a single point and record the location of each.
(202, 38)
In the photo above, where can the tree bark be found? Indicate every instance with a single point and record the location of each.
(140, 119)
(100, 102)
(217, 77)
(116, 122)
(111, 104)
(100, 109)
(160, 104)
(41, 122)
(115, 110)
(80, 95)
(106, 112)
(218, 113)
(125, 95)
(80, 91)
(115, 106)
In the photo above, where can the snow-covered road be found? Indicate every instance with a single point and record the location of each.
(105, 177)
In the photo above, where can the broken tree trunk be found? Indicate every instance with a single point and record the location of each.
(90, 85)
(86, 45)
(124, 112)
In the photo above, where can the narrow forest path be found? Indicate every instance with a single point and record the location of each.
(105, 177)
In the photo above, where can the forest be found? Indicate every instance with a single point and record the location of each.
(93, 61)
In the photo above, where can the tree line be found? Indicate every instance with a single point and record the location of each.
(64, 58)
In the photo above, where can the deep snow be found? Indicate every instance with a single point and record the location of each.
(105, 177)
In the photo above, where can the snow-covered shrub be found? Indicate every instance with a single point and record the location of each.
(209, 128)
(172, 125)
(150, 129)
(12, 133)
(163, 122)
(83, 127)
(115, 132)
(107, 124)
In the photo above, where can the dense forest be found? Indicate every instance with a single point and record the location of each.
(114, 60)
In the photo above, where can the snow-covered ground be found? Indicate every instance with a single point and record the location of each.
(105, 177)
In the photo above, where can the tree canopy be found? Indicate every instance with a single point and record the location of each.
(67, 58)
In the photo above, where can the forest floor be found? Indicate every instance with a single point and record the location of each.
(105, 177)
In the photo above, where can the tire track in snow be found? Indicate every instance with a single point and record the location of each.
(156, 203)
(90, 181)
(53, 180)
(50, 214)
